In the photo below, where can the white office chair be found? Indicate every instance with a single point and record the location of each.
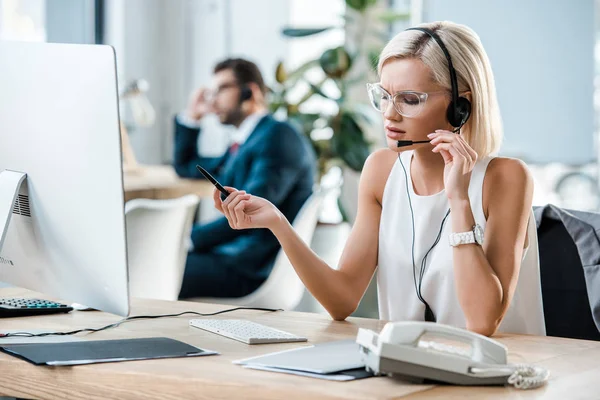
(282, 289)
(158, 232)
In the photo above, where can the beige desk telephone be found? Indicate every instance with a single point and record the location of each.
(420, 350)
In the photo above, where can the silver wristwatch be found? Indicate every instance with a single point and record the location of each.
(473, 236)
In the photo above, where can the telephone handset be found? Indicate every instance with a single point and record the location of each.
(413, 350)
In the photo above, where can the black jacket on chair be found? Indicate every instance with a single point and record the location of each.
(569, 248)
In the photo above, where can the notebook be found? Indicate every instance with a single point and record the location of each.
(338, 360)
(102, 351)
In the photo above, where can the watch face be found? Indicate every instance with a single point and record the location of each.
(478, 231)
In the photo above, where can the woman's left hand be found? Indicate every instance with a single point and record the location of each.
(460, 159)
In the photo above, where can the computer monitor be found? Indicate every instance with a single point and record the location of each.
(61, 182)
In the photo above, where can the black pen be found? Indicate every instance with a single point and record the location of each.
(224, 193)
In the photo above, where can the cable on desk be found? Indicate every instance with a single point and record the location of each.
(116, 324)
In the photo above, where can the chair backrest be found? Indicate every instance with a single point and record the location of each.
(157, 233)
(283, 288)
(567, 280)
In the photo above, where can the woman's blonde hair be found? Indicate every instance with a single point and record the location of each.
(483, 130)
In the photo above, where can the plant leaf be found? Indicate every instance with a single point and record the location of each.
(349, 143)
(335, 62)
(362, 111)
(318, 91)
(303, 32)
(305, 124)
(374, 57)
(280, 73)
(360, 5)
(293, 76)
(393, 16)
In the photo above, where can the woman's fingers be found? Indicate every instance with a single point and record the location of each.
(233, 193)
(457, 156)
(217, 200)
(468, 150)
(445, 140)
(238, 210)
(461, 146)
(233, 197)
(231, 207)
(473, 153)
(441, 136)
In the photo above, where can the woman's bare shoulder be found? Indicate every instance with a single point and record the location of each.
(377, 170)
(502, 169)
(506, 177)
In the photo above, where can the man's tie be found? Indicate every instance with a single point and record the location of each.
(234, 148)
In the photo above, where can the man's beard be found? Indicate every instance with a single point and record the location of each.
(234, 117)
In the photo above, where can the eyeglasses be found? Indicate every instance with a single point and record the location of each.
(407, 103)
(211, 94)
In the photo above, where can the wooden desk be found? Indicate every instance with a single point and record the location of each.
(574, 364)
(161, 182)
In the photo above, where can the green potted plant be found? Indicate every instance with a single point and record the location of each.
(340, 137)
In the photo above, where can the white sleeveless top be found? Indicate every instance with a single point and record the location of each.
(397, 296)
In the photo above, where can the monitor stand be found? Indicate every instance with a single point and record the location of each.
(10, 184)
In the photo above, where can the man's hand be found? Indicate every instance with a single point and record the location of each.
(198, 105)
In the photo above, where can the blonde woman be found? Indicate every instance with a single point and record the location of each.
(445, 222)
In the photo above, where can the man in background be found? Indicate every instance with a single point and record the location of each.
(266, 157)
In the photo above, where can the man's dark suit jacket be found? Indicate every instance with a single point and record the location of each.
(276, 163)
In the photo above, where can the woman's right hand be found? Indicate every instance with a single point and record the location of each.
(244, 211)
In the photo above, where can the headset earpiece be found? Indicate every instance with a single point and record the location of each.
(458, 114)
(245, 94)
(459, 109)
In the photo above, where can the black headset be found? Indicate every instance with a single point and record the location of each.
(245, 93)
(459, 109)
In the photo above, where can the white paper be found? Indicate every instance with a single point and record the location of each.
(329, 377)
(323, 358)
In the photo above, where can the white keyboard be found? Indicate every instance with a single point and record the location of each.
(245, 331)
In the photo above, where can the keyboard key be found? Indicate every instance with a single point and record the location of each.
(245, 331)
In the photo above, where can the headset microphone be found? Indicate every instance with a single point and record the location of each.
(403, 143)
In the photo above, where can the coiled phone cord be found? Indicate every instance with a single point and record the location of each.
(522, 376)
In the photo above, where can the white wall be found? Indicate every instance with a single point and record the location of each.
(542, 56)
(235, 28)
(150, 40)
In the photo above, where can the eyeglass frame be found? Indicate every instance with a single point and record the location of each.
(213, 93)
(423, 96)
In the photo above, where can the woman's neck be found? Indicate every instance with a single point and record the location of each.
(427, 171)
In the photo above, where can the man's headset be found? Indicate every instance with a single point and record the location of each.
(459, 109)
(245, 93)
